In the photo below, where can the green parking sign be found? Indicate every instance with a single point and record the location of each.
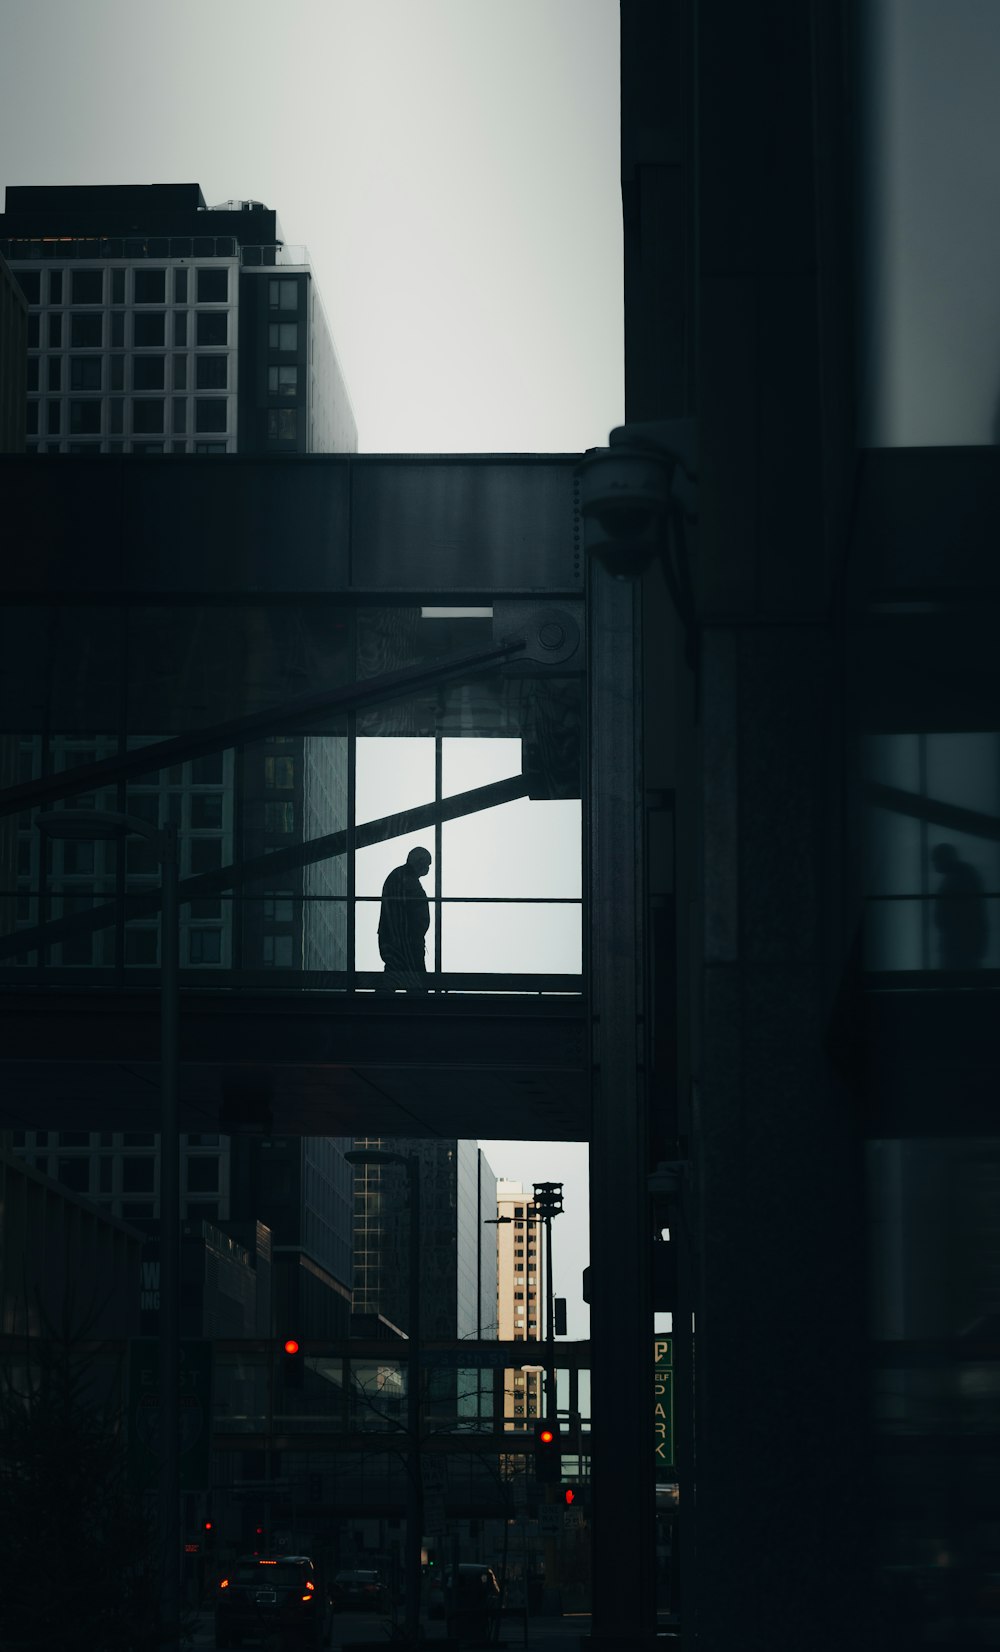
(663, 1401)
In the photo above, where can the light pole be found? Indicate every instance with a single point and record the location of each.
(548, 1197)
(414, 1486)
(103, 825)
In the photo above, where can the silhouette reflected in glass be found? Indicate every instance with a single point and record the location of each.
(403, 924)
(959, 911)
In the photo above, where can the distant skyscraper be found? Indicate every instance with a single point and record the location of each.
(519, 1293)
(158, 324)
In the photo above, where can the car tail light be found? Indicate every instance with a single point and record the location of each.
(310, 1585)
(224, 1583)
(307, 1597)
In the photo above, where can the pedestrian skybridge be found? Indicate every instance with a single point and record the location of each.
(306, 668)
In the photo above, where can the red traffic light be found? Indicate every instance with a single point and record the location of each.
(291, 1346)
(545, 1436)
(207, 1526)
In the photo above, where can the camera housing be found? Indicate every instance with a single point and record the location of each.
(627, 489)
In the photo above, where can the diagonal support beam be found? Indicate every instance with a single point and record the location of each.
(279, 861)
(286, 718)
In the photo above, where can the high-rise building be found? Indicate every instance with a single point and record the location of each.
(158, 324)
(457, 1249)
(13, 361)
(520, 1293)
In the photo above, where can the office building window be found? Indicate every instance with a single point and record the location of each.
(282, 381)
(138, 1174)
(75, 1174)
(85, 418)
(117, 286)
(283, 295)
(147, 372)
(277, 950)
(141, 947)
(30, 283)
(55, 286)
(148, 330)
(203, 1173)
(282, 423)
(87, 286)
(204, 946)
(147, 416)
(180, 372)
(33, 332)
(206, 854)
(105, 1171)
(31, 425)
(212, 327)
(283, 335)
(210, 415)
(55, 332)
(211, 373)
(118, 329)
(54, 419)
(180, 329)
(180, 286)
(117, 372)
(117, 420)
(206, 810)
(279, 818)
(179, 420)
(55, 372)
(279, 773)
(84, 372)
(150, 286)
(86, 332)
(213, 286)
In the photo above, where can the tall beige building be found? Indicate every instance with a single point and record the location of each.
(520, 1296)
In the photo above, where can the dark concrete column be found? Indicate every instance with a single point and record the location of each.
(622, 1322)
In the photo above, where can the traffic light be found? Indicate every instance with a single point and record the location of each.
(576, 1497)
(293, 1363)
(548, 1454)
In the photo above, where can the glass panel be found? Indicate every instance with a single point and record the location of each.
(524, 939)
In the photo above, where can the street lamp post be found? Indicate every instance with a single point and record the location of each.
(414, 1486)
(97, 825)
(548, 1197)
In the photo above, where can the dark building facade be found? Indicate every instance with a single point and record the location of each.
(158, 324)
(13, 361)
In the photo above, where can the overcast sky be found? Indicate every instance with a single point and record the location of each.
(452, 167)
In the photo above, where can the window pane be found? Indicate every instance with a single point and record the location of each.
(86, 331)
(117, 329)
(147, 416)
(54, 418)
(137, 1175)
(283, 335)
(213, 286)
(55, 286)
(180, 372)
(148, 330)
(210, 415)
(203, 1173)
(525, 848)
(87, 286)
(150, 286)
(283, 381)
(32, 419)
(179, 424)
(55, 372)
(117, 415)
(117, 286)
(55, 332)
(147, 372)
(180, 328)
(212, 327)
(85, 418)
(211, 372)
(522, 939)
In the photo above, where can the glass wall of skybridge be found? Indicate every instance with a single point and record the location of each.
(288, 830)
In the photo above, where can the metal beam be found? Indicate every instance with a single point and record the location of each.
(286, 718)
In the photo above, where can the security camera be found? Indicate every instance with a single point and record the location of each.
(626, 493)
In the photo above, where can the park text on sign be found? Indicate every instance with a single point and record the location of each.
(663, 1401)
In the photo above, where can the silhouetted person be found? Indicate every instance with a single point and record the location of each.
(959, 910)
(405, 919)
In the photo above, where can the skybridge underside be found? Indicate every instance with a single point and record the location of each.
(300, 1065)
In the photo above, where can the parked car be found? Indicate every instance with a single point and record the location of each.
(359, 1589)
(263, 1594)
